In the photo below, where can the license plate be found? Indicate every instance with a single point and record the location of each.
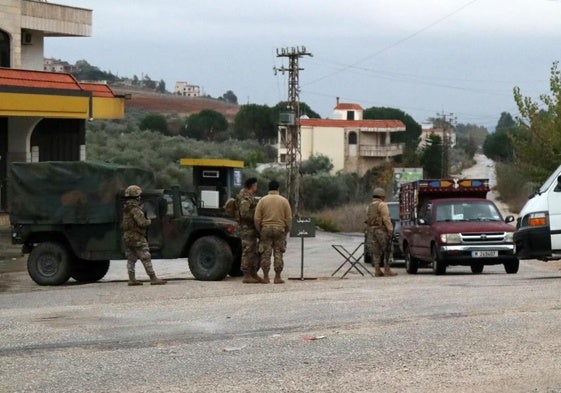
(484, 254)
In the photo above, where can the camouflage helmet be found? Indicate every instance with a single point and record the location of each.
(379, 192)
(133, 191)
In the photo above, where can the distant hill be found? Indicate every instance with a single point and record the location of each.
(172, 103)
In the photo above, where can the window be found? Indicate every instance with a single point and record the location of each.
(4, 49)
(350, 115)
(352, 138)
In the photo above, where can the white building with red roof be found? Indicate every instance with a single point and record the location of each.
(352, 143)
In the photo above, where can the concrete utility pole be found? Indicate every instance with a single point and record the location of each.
(448, 121)
(294, 152)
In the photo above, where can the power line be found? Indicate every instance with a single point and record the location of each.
(396, 43)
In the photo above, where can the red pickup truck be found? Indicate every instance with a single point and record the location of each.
(448, 222)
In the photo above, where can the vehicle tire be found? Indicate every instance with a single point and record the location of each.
(210, 258)
(477, 267)
(49, 264)
(411, 263)
(511, 267)
(438, 266)
(89, 271)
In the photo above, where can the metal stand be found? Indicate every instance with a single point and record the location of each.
(302, 278)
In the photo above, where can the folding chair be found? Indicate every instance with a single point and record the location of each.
(351, 259)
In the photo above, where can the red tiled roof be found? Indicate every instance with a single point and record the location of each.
(348, 106)
(98, 90)
(50, 80)
(38, 79)
(353, 123)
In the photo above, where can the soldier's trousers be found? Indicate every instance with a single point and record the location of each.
(272, 241)
(379, 240)
(135, 253)
(250, 257)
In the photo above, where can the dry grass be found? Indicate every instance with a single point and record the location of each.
(347, 218)
(513, 188)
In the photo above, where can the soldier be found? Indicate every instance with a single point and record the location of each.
(134, 237)
(381, 229)
(273, 218)
(248, 233)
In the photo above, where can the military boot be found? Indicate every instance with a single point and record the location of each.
(248, 278)
(132, 280)
(388, 272)
(266, 279)
(278, 279)
(378, 272)
(156, 281)
(256, 276)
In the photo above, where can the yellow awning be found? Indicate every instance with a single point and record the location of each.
(211, 162)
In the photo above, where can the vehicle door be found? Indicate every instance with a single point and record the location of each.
(154, 207)
(554, 205)
(422, 236)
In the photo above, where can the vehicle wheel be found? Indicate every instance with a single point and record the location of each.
(210, 258)
(512, 266)
(48, 264)
(477, 267)
(411, 263)
(89, 271)
(438, 266)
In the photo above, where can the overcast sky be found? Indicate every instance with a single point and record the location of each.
(423, 57)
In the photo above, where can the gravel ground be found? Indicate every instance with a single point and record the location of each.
(459, 332)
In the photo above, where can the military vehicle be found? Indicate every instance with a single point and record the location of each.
(67, 217)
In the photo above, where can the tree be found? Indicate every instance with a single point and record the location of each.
(86, 71)
(255, 122)
(205, 125)
(161, 88)
(135, 80)
(537, 146)
(154, 122)
(317, 164)
(230, 97)
(148, 83)
(411, 135)
(505, 121)
(431, 156)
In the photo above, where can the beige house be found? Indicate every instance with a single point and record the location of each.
(187, 90)
(429, 129)
(352, 144)
(43, 114)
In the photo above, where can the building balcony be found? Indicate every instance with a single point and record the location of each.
(394, 149)
(55, 19)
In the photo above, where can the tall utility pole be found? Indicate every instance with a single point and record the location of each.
(294, 152)
(448, 121)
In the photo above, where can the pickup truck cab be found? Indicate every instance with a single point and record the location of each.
(439, 232)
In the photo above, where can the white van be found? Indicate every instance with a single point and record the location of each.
(538, 231)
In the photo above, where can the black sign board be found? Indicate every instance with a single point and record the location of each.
(303, 227)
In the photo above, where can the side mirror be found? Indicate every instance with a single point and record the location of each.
(509, 219)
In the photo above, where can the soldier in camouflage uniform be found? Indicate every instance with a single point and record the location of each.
(381, 228)
(249, 235)
(273, 219)
(134, 237)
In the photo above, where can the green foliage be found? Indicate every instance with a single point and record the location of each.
(161, 88)
(86, 71)
(505, 121)
(255, 122)
(154, 122)
(230, 97)
(317, 164)
(537, 146)
(431, 157)
(410, 137)
(205, 125)
(470, 134)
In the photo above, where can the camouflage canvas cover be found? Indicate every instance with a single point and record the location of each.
(69, 192)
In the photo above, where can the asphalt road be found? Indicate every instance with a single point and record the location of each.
(459, 332)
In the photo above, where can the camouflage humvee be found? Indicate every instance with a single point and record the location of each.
(67, 216)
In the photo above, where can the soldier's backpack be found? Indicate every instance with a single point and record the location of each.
(232, 208)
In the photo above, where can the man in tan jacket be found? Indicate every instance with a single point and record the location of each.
(381, 229)
(273, 218)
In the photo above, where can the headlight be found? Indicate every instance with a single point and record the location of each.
(509, 237)
(537, 219)
(451, 238)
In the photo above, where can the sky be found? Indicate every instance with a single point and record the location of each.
(460, 57)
